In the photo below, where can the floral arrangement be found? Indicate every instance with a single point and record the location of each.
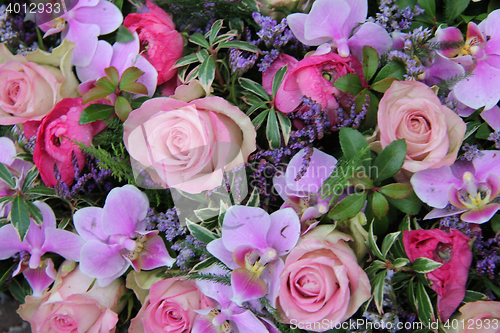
(251, 166)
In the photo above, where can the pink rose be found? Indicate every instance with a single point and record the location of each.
(314, 77)
(157, 32)
(479, 317)
(411, 110)
(453, 250)
(69, 307)
(170, 307)
(188, 146)
(322, 281)
(53, 145)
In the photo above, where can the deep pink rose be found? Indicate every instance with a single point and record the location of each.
(163, 44)
(69, 307)
(188, 146)
(411, 110)
(453, 250)
(314, 77)
(53, 145)
(479, 317)
(322, 281)
(170, 307)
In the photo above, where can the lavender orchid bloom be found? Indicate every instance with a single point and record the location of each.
(116, 237)
(85, 22)
(330, 23)
(251, 243)
(38, 241)
(465, 187)
(302, 194)
(121, 56)
(479, 55)
(227, 314)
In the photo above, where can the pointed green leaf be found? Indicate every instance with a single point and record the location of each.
(370, 62)
(30, 178)
(286, 126)
(380, 205)
(95, 112)
(389, 241)
(348, 207)
(214, 31)
(410, 205)
(272, 130)
(470, 296)
(453, 9)
(105, 83)
(113, 76)
(95, 94)
(122, 108)
(349, 83)
(42, 190)
(425, 310)
(254, 87)
(254, 199)
(6, 200)
(257, 121)
(205, 214)
(123, 35)
(19, 216)
(400, 262)
(137, 102)
(472, 126)
(390, 160)
(204, 264)
(278, 77)
(352, 142)
(372, 243)
(131, 74)
(397, 190)
(425, 265)
(393, 69)
(200, 233)
(382, 85)
(6, 176)
(378, 289)
(238, 44)
(135, 88)
(255, 107)
(374, 268)
(199, 39)
(189, 59)
(202, 55)
(35, 212)
(225, 37)
(207, 73)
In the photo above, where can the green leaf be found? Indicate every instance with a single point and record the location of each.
(397, 190)
(6, 200)
(406, 3)
(429, 6)
(6, 176)
(214, 30)
(286, 126)
(370, 62)
(348, 207)
(411, 295)
(425, 265)
(200, 233)
(400, 262)
(202, 55)
(95, 112)
(254, 87)
(272, 130)
(374, 268)
(207, 73)
(424, 306)
(17, 291)
(352, 142)
(189, 59)
(453, 9)
(472, 296)
(204, 264)
(389, 241)
(380, 205)
(119, 4)
(122, 108)
(393, 69)
(410, 205)
(7, 274)
(35, 212)
(137, 102)
(225, 37)
(105, 83)
(278, 78)
(257, 121)
(205, 214)
(258, 105)
(238, 44)
(135, 88)
(254, 199)
(95, 94)
(378, 289)
(20, 216)
(199, 39)
(130, 75)
(472, 126)
(123, 35)
(349, 83)
(372, 243)
(382, 85)
(361, 183)
(483, 131)
(390, 160)
(42, 190)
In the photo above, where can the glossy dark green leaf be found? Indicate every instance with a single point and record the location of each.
(423, 303)
(113, 76)
(372, 243)
(130, 75)
(259, 120)
(410, 205)
(254, 199)
(272, 130)
(207, 73)
(238, 44)
(474, 296)
(348, 207)
(254, 87)
(397, 190)
(42, 190)
(254, 107)
(199, 39)
(472, 126)
(105, 83)
(390, 160)
(122, 108)
(393, 69)
(370, 62)
(35, 212)
(204, 264)
(453, 9)
(425, 265)
(200, 233)
(380, 205)
(189, 59)
(123, 35)
(19, 216)
(388, 242)
(382, 85)
(95, 112)
(378, 289)
(278, 78)
(6, 176)
(285, 125)
(214, 30)
(349, 83)
(352, 142)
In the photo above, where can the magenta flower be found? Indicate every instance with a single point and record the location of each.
(38, 241)
(251, 244)
(465, 187)
(302, 194)
(116, 237)
(480, 56)
(330, 23)
(86, 21)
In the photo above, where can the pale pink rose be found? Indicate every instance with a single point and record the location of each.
(411, 110)
(69, 307)
(188, 146)
(322, 281)
(170, 307)
(479, 317)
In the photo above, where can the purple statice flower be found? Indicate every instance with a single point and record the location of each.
(39, 240)
(394, 19)
(471, 188)
(268, 59)
(85, 22)
(241, 61)
(495, 137)
(470, 152)
(330, 23)
(251, 245)
(116, 237)
(299, 189)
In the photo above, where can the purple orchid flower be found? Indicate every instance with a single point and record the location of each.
(480, 56)
(86, 21)
(302, 194)
(465, 187)
(227, 315)
(330, 23)
(251, 243)
(121, 56)
(116, 237)
(38, 241)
